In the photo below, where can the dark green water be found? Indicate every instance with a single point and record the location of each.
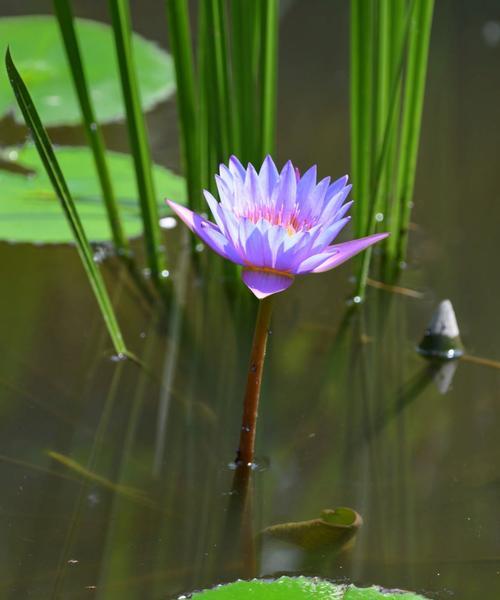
(114, 479)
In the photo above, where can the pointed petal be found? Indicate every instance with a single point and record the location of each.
(334, 204)
(226, 192)
(347, 250)
(237, 168)
(214, 205)
(253, 189)
(311, 262)
(286, 190)
(268, 176)
(306, 184)
(226, 175)
(345, 209)
(255, 250)
(312, 206)
(328, 234)
(336, 187)
(264, 283)
(207, 232)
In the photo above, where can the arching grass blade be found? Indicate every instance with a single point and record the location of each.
(56, 176)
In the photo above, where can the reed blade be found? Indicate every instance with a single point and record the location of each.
(139, 144)
(181, 48)
(418, 52)
(363, 102)
(269, 76)
(246, 38)
(64, 14)
(388, 140)
(61, 190)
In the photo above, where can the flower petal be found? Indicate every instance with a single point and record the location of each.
(285, 192)
(335, 187)
(236, 168)
(347, 250)
(268, 176)
(226, 192)
(255, 248)
(207, 232)
(265, 283)
(214, 208)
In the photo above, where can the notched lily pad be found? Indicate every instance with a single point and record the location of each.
(298, 588)
(334, 528)
(38, 51)
(30, 211)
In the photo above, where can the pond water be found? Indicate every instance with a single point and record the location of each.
(115, 479)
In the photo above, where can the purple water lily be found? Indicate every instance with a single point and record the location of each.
(276, 225)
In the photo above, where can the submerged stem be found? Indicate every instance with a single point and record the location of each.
(254, 379)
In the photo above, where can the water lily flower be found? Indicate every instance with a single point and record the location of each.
(276, 225)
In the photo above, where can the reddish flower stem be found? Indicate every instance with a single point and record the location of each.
(254, 379)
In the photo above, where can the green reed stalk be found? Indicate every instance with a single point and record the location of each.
(246, 447)
(388, 138)
(362, 98)
(389, 46)
(216, 21)
(181, 48)
(383, 86)
(269, 71)
(418, 51)
(208, 115)
(246, 34)
(65, 19)
(228, 104)
(51, 165)
(396, 30)
(120, 18)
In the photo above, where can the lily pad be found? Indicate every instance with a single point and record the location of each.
(38, 51)
(30, 211)
(298, 588)
(333, 530)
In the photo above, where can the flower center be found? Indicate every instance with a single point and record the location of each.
(292, 222)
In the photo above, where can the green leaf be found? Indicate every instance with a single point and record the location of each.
(40, 57)
(60, 187)
(30, 212)
(298, 588)
(376, 593)
(333, 530)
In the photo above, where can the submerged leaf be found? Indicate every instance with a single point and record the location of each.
(36, 43)
(124, 490)
(334, 529)
(298, 588)
(29, 211)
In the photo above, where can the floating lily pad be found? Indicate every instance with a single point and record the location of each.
(30, 211)
(38, 51)
(298, 588)
(333, 530)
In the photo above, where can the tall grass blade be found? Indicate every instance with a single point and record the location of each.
(218, 44)
(363, 101)
(56, 177)
(269, 75)
(208, 125)
(375, 199)
(67, 28)
(120, 18)
(246, 26)
(418, 51)
(181, 48)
